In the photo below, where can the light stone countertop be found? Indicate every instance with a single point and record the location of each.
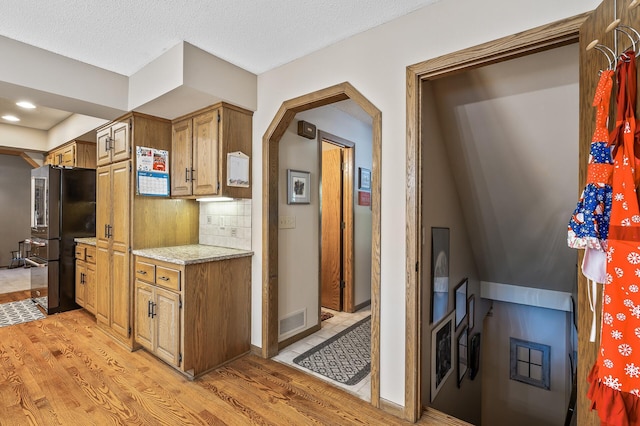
(89, 241)
(190, 254)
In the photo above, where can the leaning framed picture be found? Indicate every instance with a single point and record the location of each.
(298, 187)
(364, 178)
(461, 301)
(439, 273)
(442, 341)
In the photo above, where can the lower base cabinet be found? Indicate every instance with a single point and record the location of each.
(194, 317)
(86, 277)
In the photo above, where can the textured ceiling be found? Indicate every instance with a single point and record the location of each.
(123, 36)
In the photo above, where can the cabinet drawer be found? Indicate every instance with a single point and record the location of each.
(168, 278)
(80, 252)
(145, 271)
(90, 254)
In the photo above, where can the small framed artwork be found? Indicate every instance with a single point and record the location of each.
(463, 354)
(364, 178)
(442, 341)
(471, 309)
(298, 187)
(461, 301)
(439, 273)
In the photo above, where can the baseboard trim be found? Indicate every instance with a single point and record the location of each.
(255, 350)
(299, 336)
(362, 305)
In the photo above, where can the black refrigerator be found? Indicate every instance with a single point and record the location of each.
(63, 207)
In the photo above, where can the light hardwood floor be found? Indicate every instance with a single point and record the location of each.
(64, 371)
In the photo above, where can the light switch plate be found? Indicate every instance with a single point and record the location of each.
(287, 222)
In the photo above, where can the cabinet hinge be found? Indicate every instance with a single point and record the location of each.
(129, 332)
(343, 225)
(218, 116)
(130, 124)
(342, 284)
(180, 302)
(130, 167)
(218, 187)
(180, 358)
(416, 266)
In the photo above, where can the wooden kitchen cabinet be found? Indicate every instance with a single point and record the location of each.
(127, 221)
(195, 317)
(200, 144)
(86, 277)
(75, 153)
(114, 141)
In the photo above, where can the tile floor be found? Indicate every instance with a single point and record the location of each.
(330, 327)
(16, 279)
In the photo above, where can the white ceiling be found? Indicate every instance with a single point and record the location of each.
(123, 36)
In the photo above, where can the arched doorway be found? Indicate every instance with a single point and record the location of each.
(270, 141)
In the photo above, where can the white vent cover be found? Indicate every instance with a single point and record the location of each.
(293, 322)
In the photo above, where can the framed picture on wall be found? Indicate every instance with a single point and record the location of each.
(471, 308)
(461, 301)
(442, 341)
(463, 354)
(364, 178)
(439, 273)
(298, 187)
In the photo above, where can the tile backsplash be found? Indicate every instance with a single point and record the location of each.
(226, 224)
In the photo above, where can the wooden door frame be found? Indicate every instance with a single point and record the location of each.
(270, 168)
(348, 253)
(545, 37)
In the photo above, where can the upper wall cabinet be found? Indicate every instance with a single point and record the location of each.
(75, 153)
(114, 142)
(199, 147)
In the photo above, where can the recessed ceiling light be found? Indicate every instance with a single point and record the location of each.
(10, 118)
(25, 104)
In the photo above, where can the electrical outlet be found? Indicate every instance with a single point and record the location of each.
(287, 222)
(209, 219)
(234, 232)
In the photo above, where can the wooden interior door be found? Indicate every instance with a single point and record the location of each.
(331, 225)
(591, 62)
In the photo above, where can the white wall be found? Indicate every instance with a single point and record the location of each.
(508, 402)
(375, 63)
(15, 190)
(298, 248)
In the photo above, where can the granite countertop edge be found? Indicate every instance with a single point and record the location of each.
(192, 254)
(86, 240)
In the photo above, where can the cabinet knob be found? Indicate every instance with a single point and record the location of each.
(163, 278)
(142, 272)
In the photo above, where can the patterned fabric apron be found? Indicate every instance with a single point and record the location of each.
(615, 378)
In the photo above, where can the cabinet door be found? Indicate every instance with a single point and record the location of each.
(103, 138)
(167, 325)
(181, 158)
(121, 141)
(103, 285)
(120, 205)
(68, 156)
(81, 272)
(205, 153)
(103, 205)
(120, 293)
(90, 288)
(143, 321)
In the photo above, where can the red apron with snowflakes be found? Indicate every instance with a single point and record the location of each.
(615, 378)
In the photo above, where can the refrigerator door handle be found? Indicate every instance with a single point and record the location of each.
(36, 264)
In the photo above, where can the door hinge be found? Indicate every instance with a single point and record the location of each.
(342, 284)
(343, 225)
